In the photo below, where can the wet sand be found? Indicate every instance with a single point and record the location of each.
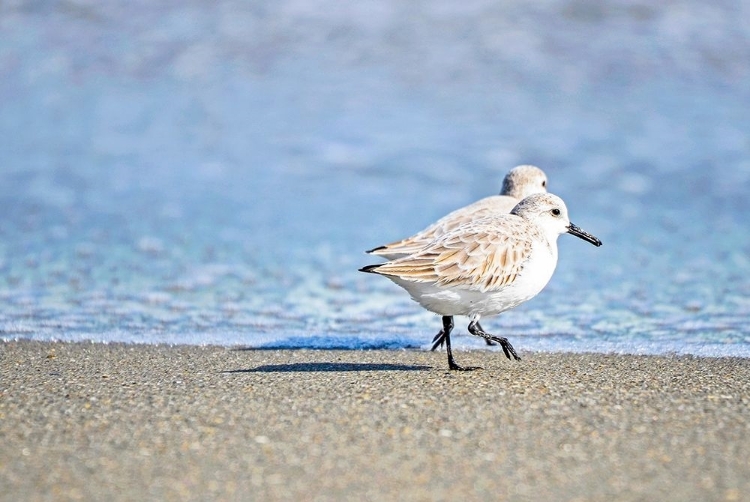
(141, 422)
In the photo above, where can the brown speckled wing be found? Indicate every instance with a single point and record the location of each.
(486, 254)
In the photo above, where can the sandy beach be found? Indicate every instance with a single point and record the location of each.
(88, 421)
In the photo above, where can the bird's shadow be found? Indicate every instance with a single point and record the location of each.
(335, 367)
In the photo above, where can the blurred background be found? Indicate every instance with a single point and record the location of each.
(211, 172)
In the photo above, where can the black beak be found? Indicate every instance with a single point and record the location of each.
(574, 230)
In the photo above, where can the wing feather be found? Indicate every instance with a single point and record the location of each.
(485, 254)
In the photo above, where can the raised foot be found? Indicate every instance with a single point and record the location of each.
(507, 347)
(438, 341)
(476, 329)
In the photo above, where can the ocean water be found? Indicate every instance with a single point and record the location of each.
(211, 172)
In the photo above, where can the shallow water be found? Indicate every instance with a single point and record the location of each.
(211, 173)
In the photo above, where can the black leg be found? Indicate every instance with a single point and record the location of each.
(445, 336)
(440, 339)
(486, 340)
(476, 329)
(446, 331)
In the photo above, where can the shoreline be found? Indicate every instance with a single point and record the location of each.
(83, 420)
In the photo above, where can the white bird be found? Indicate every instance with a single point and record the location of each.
(486, 266)
(520, 182)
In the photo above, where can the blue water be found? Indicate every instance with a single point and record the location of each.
(211, 173)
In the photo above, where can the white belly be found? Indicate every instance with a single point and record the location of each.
(472, 302)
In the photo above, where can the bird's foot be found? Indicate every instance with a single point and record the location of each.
(505, 344)
(455, 367)
(438, 341)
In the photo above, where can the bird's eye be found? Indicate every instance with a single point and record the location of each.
(555, 212)
(544, 184)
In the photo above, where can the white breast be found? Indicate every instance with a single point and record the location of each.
(461, 300)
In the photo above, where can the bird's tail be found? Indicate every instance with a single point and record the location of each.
(369, 268)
